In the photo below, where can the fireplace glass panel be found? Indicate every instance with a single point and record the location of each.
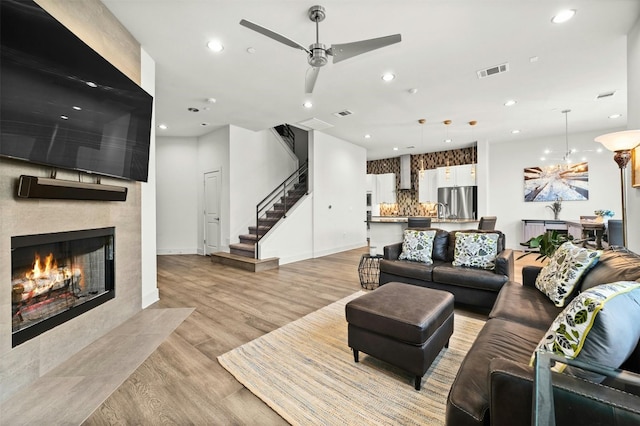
(55, 277)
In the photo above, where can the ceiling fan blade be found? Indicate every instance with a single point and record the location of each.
(272, 34)
(344, 51)
(310, 80)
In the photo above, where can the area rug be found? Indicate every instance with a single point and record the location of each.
(306, 373)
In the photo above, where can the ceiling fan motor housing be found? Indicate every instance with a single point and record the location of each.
(318, 55)
(317, 13)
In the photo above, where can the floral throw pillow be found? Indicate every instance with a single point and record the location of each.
(417, 246)
(600, 325)
(478, 250)
(561, 276)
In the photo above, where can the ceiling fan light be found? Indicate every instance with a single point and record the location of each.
(215, 46)
(388, 76)
(563, 16)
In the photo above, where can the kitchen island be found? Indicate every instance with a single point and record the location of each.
(386, 230)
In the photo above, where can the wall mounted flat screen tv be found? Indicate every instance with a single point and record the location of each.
(65, 106)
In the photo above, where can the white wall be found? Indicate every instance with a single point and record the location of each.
(260, 162)
(177, 195)
(149, 271)
(338, 180)
(506, 162)
(633, 122)
(291, 239)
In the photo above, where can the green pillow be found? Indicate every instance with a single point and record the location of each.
(600, 325)
(478, 250)
(417, 246)
(561, 276)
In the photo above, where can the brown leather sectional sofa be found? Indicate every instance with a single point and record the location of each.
(470, 286)
(494, 384)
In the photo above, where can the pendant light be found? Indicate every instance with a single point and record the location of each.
(421, 122)
(447, 170)
(473, 163)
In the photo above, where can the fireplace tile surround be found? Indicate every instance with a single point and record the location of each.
(25, 363)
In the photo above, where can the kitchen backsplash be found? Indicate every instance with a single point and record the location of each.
(407, 200)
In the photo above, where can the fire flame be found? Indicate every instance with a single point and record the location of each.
(40, 270)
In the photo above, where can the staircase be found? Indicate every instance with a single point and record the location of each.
(271, 210)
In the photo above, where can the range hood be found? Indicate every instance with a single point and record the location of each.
(405, 172)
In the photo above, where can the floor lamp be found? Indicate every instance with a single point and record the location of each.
(621, 143)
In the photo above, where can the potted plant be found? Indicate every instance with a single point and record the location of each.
(546, 243)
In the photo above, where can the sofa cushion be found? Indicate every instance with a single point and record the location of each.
(477, 250)
(441, 245)
(462, 276)
(615, 264)
(600, 325)
(469, 394)
(524, 305)
(405, 268)
(561, 276)
(452, 240)
(417, 245)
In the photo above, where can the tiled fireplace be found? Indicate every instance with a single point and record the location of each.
(58, 276)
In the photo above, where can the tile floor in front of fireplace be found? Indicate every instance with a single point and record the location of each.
(70, 393)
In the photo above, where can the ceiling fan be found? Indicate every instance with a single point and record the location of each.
(318, 53)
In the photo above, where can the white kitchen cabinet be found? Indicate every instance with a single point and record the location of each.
(371, 183)
(386, 188)
(445, 179)
(457, 176)
(464, 177)
(428, 186)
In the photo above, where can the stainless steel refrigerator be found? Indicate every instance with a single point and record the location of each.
(459, 201)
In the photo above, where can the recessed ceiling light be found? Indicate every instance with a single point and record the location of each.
(515, 132)
(533, 59)
(395, 148)
(599, 150)
(251, 50)
(77, 108)
(413, 91)
(615, 116)
(91, 84)
(510, 102)
(447, 141)
(211, 100)
(192, 109)
(563, 16)
(307, 104)
(162, 127)
(215, 45)
(542, 158)
(204, 124)
(388, 76)
(367, 136)
(547, 151)
(64, 117)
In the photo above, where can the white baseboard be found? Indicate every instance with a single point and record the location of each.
(150, 298)
(177, 251)
(334, 250)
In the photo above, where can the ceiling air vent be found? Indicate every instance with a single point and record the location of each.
(606, 95)
(498, 69)
(343, 113)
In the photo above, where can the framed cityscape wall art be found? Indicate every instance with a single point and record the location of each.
(635, 167)
(566, 182)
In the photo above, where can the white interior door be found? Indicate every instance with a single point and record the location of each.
(211, 212)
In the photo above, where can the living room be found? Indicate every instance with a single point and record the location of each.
(136, 219)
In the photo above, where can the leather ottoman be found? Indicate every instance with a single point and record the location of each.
(402, 324)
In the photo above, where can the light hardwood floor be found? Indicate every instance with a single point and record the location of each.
(181, 382)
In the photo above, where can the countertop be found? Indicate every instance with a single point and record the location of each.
(405, 219)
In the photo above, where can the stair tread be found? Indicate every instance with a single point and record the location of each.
(243, 246)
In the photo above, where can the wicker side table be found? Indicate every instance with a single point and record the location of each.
(369, 271)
